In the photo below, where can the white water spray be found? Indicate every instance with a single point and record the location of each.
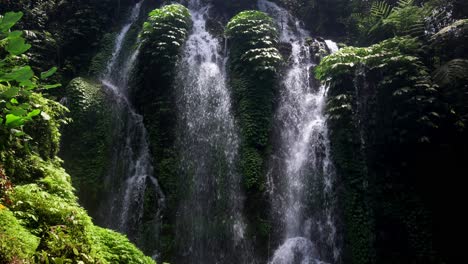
(306, 172)
(131, 173)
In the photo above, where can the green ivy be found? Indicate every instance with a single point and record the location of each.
(254, 62)
(164, 33)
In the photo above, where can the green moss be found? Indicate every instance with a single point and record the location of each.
(112, 247)
(16, 242)
(163, 35)
(87, 151)
(254, 60)
(99, 61)
(381, 114)
(48, 210)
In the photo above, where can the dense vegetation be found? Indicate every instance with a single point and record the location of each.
(40, 218)
(254, 64)
(397, 125)
(397, 115)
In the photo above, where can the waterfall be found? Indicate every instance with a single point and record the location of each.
(209, 227)
(301, 185)
(130, 175)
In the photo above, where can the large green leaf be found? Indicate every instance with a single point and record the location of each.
(17, 46)
(9, 20)
(20, 74)
(14, 121)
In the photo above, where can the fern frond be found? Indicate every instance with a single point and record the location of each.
(452, 72)
(404, 3)
(380, 10)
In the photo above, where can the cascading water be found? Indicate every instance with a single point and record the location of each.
(301, 188)
(210, 226)
(131, 173)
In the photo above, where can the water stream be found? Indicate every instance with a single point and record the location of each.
(301, 188)
(210, 227)
(131, 173)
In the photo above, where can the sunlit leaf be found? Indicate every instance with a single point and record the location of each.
(47, 74)
(17, 46)
(34, 113)
(18, 111)
(9, 20)
(14, 121)
(21, 74)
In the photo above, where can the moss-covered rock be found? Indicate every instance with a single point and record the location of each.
(87, 151)
(254, 61)
(451, 41)
(163, 35)
(382, 114)
(48, 209)
(162, 38)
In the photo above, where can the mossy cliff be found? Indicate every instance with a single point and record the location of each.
(162, 38)
(87, 151)
(386, 121)
(40, 218)
(254, 61)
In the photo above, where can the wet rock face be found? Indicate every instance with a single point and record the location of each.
(452, 41)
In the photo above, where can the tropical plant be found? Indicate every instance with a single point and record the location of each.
(17, 80)
(383, 21)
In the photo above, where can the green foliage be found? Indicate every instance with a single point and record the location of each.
(24, 112)
(87, 153)
(113, 247)
(404, 77)
(49, 210)
(16, 81)
(255, 37)
(383, 21)
(382, 106)
(164, 33)
(452, 73)
(380, 10)
(17, 244)
(254, 60)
